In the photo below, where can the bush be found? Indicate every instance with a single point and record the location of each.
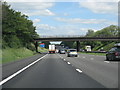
(31, 47)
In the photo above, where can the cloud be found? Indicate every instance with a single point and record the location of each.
(36, 20)
(31, 5)
(33, 8)
(83, 21)
(61, 0)
(45, 27)
(65, 14)
(99, 1)
(100, 7)
(44, 12)
(30, 0)
(72, 30)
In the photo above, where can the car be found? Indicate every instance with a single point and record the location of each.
(72, 52)
(62, 51)
(113, 53)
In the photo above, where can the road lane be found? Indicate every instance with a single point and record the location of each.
(52, 72)
(104, 73)
(21, 70)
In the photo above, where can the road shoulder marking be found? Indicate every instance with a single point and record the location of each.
(21, 70)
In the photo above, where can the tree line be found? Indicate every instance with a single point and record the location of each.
(110, 31)
(17, 30)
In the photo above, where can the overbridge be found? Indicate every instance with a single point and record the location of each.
(76, 38)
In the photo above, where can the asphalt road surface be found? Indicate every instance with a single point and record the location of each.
(12, 67)
(105, 72)
(59, 71)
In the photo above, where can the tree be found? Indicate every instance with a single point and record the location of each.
(109, 31)
(17, 30)
(90, 33)
(68, 44)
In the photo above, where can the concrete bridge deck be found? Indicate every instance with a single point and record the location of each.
(82, 38)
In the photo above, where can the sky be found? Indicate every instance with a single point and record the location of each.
(68, 18)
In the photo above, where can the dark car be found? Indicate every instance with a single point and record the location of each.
(113, 53)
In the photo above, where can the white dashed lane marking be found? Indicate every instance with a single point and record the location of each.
(64, 59)
(80, 71)
(83, 57)
(107, 61)
(91, 58)
(68, 62)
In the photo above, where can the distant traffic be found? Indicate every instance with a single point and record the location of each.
(112, 54)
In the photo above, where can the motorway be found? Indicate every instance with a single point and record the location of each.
(60, 71)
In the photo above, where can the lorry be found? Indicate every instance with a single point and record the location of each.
(52, 48)
(88, 48)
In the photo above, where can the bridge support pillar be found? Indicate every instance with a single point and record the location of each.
(36, 46)
(78, 46)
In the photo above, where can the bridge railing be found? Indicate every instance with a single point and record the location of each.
(62, 36)
(55, 36)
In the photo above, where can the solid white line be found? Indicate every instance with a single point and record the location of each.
(107, 61)
(18, 72)
(79, 70)
(68, 62)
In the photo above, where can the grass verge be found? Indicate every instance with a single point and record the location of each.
(12, 54)
(101, 54)
(42, 50)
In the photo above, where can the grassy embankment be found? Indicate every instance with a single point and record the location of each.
(12, 54)
(106, 48)
(42, 50)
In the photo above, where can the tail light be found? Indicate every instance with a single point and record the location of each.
(116, 53)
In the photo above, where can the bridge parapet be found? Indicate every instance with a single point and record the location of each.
(60, 36)
(75, 36)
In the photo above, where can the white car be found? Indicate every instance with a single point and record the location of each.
(62, 51)
(72, 52)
